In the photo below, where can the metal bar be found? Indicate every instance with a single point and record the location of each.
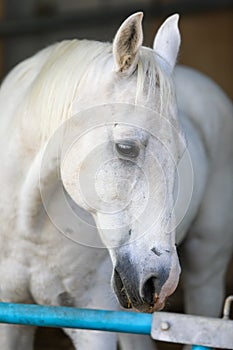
(227, 307)
(192, 329)
(106, 14)
(67, 317)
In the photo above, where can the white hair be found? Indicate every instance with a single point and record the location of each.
(153, 79)
(76, 70)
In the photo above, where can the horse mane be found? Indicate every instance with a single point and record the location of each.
(59, 82)
(155, 80)
(70, 66)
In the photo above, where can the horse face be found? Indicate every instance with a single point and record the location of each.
(123, 174)
(136, 224)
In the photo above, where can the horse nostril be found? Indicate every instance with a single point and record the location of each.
(148, 290)
(120, 290)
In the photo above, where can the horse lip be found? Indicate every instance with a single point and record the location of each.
(121, 291)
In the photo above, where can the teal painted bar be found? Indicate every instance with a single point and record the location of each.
(70, 317)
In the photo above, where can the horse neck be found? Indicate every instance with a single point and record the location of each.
(193, 172)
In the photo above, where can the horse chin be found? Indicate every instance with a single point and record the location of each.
(158, 306)
(139, 305)
(145, 308)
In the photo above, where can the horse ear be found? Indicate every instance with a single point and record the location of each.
(126, 43)
(167, 42)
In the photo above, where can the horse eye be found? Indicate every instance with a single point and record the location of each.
(128, 149)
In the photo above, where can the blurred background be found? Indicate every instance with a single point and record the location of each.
(27, 26)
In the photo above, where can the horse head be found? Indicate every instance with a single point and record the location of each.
(122, 170)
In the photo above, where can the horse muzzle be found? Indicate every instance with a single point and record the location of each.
(146, 300)
(144, 286)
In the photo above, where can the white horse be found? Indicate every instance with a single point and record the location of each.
(126, 166)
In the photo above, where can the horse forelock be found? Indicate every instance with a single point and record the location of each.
(154, 84)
